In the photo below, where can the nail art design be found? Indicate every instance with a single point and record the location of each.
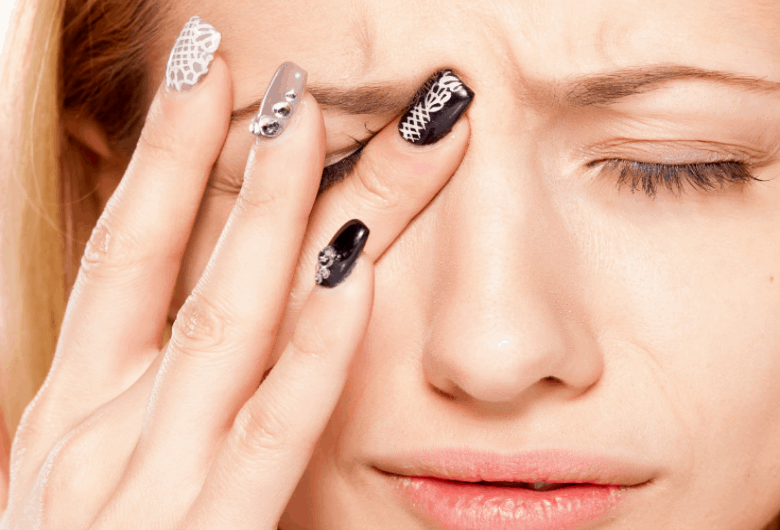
(280, 101)
(192, 54)
(436, 110)
(336, 261)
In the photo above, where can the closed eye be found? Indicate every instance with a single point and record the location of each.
(705, 176)
(338, 171)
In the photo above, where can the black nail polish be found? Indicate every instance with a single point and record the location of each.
(337, 260)
(438, 105)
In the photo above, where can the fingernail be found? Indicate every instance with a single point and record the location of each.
(280, 101)
(191, 55)
(441, 101)
(337, 260)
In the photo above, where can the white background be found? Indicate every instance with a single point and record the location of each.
(5, 13)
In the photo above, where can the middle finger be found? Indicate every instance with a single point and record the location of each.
(227, 326)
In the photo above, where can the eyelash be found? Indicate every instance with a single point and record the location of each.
(648, 177)
(644, 176)
(340, 170)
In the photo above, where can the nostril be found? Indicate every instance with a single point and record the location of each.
(442, 393)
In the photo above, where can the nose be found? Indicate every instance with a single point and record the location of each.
(508, 315)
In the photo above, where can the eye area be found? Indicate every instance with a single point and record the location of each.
(643, 176)
(340, 170)
(705, 176)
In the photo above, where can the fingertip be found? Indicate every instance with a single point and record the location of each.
(290, 164)
(344, 310)
(192, 121)
(313, 107)
(460, 132)
(308, 115)
(219, 76)
(213, 91)
(360, 279)
(455, 137)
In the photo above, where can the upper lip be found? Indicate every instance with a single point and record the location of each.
(553, 466)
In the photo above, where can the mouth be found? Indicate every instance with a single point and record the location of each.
(509, 505)
(471, 490)
(533, 486)
(537, 470)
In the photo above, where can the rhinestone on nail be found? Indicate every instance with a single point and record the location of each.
(282, 109)
(327, 256)
(280, 101)
(265, 125)
(322, 274)
(326, 259)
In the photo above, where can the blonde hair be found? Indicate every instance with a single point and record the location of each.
(89, 57)
(33, 288)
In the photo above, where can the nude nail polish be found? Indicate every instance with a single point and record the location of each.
(282, 97)
(336, 261)
(439, 105)
(191, 55)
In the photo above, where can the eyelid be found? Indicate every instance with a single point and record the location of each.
(346, 152)
(340, 155)
(673, 152)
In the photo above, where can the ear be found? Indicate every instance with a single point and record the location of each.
(95, 169)
(103, 164)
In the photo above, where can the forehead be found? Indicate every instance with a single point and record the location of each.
(357, 41)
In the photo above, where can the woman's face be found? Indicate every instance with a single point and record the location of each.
(534, 305)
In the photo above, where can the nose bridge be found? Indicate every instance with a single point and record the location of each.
(508, 317)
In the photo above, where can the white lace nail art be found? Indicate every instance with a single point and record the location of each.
(418, 118)
(192, 54)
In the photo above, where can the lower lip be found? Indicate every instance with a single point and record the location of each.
(463, 506)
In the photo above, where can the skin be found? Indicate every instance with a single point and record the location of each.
(532, 304)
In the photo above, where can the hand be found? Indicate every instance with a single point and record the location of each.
(185, 435)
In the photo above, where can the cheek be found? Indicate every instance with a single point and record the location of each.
(693, 288)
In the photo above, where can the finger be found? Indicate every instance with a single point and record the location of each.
(226, 328)
(267, 450)
(391, 183)
(115, 317)
(120, 299)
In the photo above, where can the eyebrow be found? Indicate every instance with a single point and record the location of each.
(608, 88)
(370, 98)
(587, 90)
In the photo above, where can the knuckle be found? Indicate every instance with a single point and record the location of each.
(376, 189)
(256, 200)
(109, 251)
(259, 427)
(201, 327)
(310, 343)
